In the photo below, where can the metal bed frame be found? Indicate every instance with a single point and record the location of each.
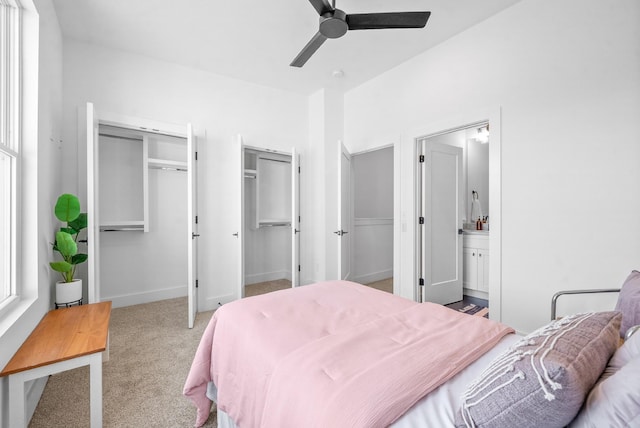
(555, 297)
(554, 301)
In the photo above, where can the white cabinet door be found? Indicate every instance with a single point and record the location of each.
(470, 269)
(483, 270)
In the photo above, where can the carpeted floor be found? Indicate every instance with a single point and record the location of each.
(151, 350)
(383, 284)
(266, 287)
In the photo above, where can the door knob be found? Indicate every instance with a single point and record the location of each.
(194, 235)
(235, 234)
(340, 232)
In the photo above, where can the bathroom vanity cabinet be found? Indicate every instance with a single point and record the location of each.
(475, 250)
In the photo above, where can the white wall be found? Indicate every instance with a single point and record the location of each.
(41, 187)
(219, 109)
(319, 181)
(566, 76)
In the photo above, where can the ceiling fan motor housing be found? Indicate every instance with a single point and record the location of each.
(333, 24)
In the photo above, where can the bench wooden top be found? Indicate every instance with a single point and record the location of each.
(61, 335)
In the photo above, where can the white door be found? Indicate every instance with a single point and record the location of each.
(93, 224)
(238, 232)
(344, 212)
(295, 218)
(441, 214)
(192, 227)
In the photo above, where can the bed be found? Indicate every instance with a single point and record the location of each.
(341, 354)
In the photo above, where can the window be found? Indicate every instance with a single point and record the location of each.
(10, 15)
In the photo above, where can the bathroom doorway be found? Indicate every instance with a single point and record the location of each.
(470, 265)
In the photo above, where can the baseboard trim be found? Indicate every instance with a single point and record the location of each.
(373, 277)
(266, 276)
(215, 302)
(476, 293)
(146, 297)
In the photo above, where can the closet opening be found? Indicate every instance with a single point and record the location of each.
(269, 234)
(141, 207)
(142, 215)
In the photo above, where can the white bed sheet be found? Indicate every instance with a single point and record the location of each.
(438, 408)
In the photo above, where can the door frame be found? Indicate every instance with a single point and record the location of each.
(409, 199)
(128, 122)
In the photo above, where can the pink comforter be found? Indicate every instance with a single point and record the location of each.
(331, 354)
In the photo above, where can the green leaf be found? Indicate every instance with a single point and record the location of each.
(61, 266)
(66, 245)
(69, 230)
(79, 223)
(67, 207)
(79, 258)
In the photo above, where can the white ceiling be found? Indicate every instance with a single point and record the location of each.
(256, 41)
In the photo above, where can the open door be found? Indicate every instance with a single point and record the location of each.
(295, 218)
(344, 212)
(93, 223)
(440, 222)
(192, 225)
(238, 169)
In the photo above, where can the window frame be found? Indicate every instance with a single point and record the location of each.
(11, 51)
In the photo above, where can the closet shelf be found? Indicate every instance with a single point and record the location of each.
(274, 223)
(117, 226)
(166, 164)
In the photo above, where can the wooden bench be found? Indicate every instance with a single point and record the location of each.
(63, 340)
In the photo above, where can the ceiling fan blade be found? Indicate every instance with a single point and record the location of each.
(308, 50)
(375, 21)
(321, 6)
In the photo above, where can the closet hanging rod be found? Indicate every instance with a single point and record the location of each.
(274, 160)
(122, 229)
(168, 168)
(119, 136)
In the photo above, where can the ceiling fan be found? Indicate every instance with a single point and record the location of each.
(334, 23)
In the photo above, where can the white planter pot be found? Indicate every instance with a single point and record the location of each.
(68, 292)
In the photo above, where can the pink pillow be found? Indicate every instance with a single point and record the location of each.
(629, 302)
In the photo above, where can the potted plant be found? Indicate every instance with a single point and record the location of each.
(67, 210)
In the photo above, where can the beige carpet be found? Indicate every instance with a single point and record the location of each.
(281, 284)
(384, 285)
(151, 352)
(266, 287)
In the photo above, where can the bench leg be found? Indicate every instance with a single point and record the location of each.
(17, 408)
(95, 382)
